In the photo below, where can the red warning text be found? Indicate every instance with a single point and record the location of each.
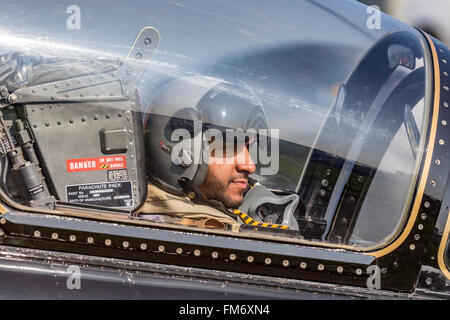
(100, 163)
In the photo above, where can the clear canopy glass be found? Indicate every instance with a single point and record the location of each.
(342, 86)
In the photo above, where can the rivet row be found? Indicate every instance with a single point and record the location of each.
(197, 252)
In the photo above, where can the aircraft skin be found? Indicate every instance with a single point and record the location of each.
(94, 254)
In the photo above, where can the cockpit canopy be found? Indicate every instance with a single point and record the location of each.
(346, 100)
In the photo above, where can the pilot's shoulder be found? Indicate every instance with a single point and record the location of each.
(182, 210)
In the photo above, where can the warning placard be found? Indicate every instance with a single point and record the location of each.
(99, 163)
(109, 194)
(117, 175)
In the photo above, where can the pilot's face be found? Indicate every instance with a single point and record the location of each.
(226, 181)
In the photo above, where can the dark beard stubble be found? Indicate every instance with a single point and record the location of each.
(215, 189)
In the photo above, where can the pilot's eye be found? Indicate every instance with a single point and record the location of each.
(236, 146)
(230, 149)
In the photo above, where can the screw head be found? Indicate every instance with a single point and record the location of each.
(12, 98)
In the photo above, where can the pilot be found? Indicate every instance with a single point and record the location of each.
(191, 125)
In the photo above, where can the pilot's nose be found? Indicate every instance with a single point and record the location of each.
(245, 162)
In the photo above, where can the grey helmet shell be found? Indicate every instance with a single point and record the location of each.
(193, 104)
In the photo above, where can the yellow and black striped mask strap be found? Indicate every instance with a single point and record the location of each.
(250, 221)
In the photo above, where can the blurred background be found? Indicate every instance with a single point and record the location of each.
(432, 16)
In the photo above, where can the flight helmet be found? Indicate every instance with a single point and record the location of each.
(178, 120)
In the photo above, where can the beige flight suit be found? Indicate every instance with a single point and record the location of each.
(161, 206)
